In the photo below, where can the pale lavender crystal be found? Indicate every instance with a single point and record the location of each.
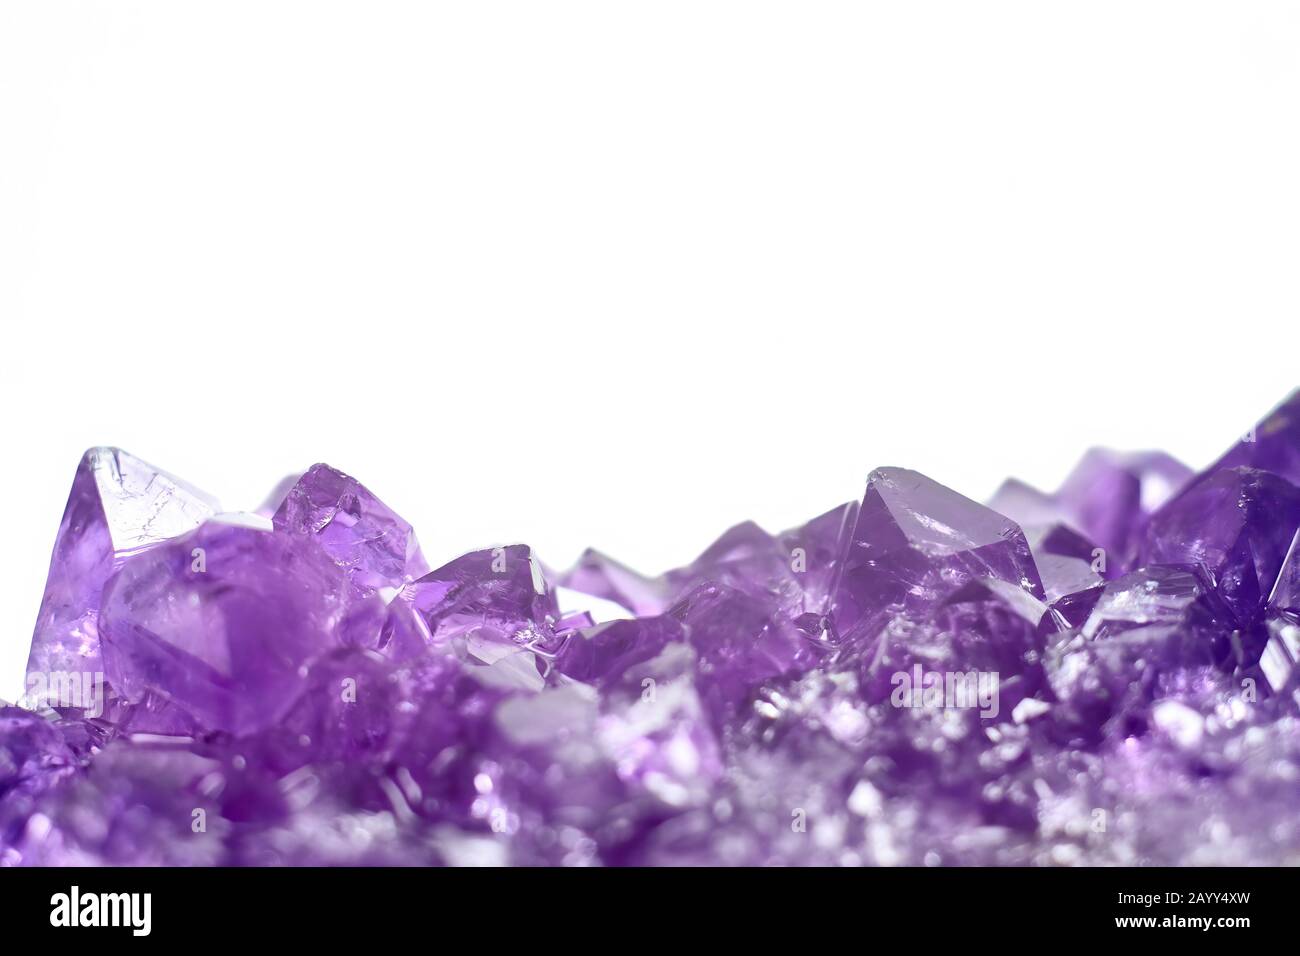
(744, 556)
(363, 535)
(918, 679)
(118, 506)
(1110, 495)
(1107, 498)
(654, 729)
(817, 553)
(599, 575)
(1026, 505)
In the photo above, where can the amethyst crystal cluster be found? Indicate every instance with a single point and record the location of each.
(1104, 675)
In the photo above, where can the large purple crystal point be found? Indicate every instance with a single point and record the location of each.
(223, 623)
(1237, 524)
(916, 543)
(119, 505)
(363, 535)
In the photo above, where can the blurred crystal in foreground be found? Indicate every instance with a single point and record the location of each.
(1106, 674)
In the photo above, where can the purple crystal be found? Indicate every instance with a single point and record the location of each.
(1237, 525)
(742, 641)
(603, 577)
(222, 623)
(362, 534)
(987, 626)
(118, 506)
(1110, 495)
(603, 653)
(32, 750)
(1273, 445)
(1286, 591)
(653, 727)
(497, 593)
(1144, 629)
(1067, 561)
(799, 568)
(915, 680)
(1026, 505)
(916, 543)
(1107, 499)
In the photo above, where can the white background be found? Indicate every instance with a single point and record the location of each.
(624, 274)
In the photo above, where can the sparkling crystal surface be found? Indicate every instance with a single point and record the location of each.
(915, 679)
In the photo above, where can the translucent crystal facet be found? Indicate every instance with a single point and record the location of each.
(915, 543)
(118, 506)
(222, 623)
(363, 535)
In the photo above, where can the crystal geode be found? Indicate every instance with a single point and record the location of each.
(1106, 674)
